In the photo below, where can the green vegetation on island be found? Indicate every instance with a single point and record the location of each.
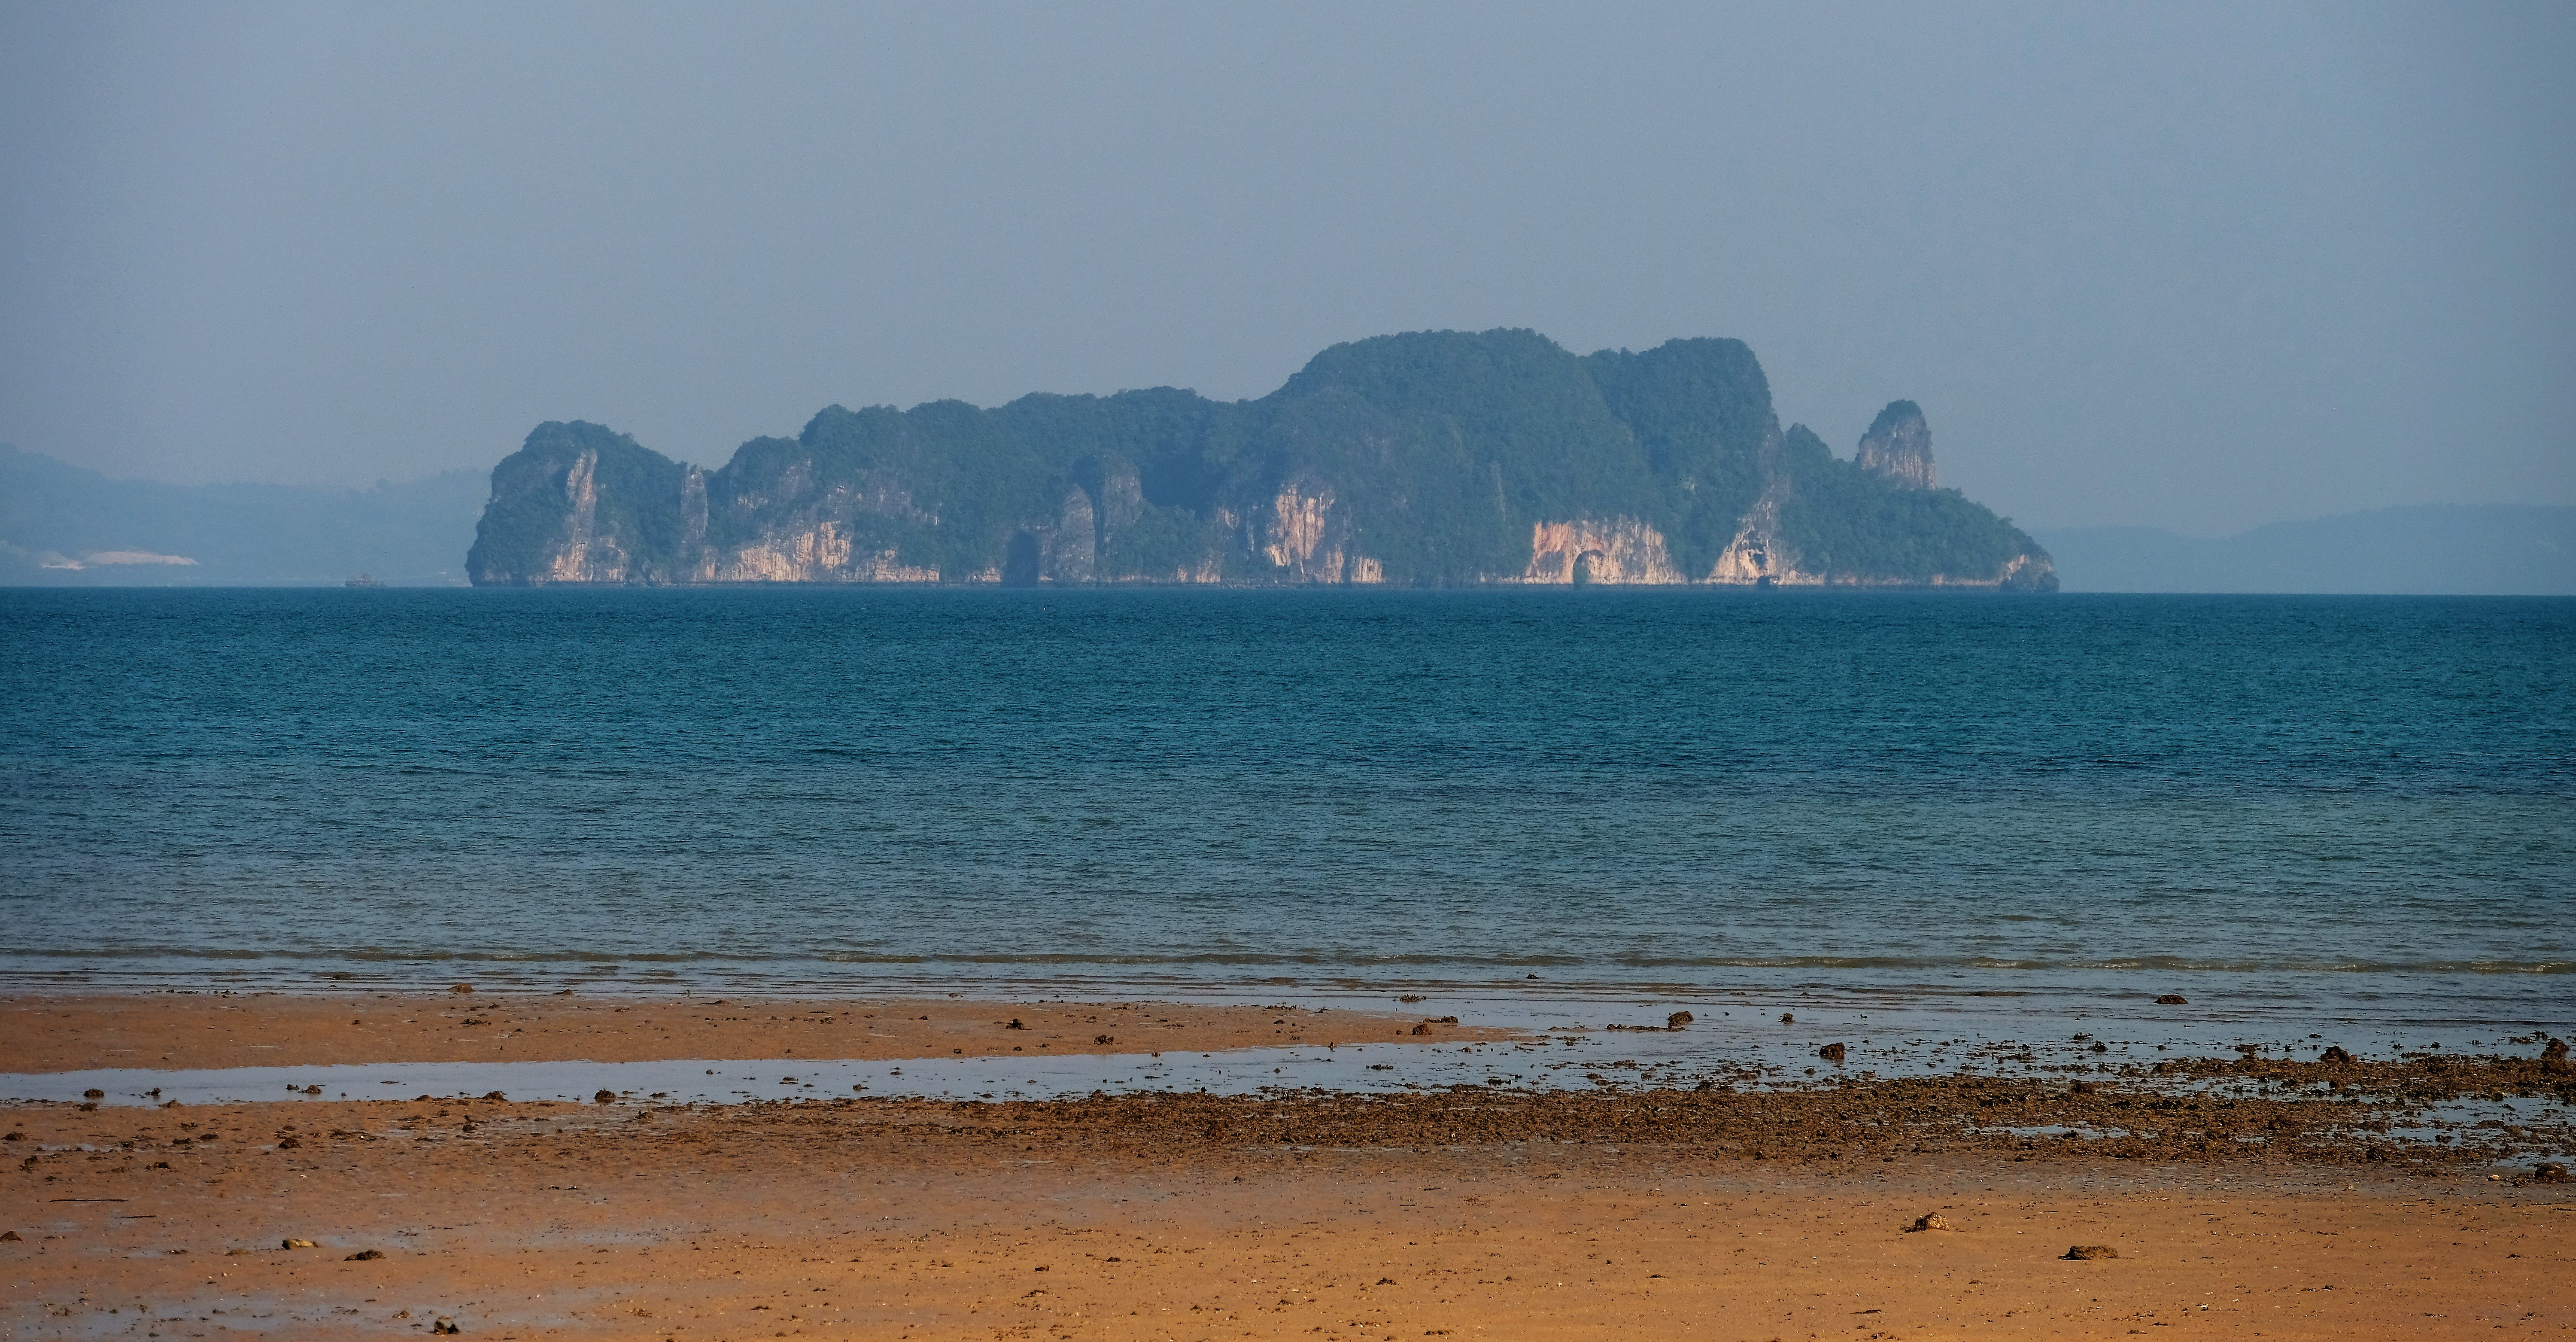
(1432, 458)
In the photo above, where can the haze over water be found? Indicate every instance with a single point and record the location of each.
(2326, 802)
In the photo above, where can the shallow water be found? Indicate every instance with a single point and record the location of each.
(2293, 810)
(1564, 1042)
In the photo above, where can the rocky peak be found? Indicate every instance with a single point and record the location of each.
(1899, 446)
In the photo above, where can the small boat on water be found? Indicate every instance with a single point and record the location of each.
(363, 580)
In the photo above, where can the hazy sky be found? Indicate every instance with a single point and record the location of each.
(2199, 266)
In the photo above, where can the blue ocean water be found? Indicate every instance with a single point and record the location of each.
(2334, 799)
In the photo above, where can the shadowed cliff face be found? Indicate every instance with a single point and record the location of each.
(1435, 458)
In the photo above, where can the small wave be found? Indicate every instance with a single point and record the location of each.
(599, 961)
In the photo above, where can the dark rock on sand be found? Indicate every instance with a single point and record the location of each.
(2091, 1251)
(1931, 1221)
(364, 1256)
(1831, 1053)
(2549, 1172)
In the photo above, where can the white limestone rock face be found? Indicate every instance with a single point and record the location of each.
(585, 554)
(1621, 552)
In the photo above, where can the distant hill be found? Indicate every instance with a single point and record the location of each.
(1433, 458)
(2497, 549)
(61, 525)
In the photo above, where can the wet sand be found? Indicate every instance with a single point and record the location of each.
(2276, 1200)
(181, 1031)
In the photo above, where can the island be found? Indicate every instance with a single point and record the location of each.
(1428, 459)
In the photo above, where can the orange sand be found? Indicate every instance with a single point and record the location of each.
(877, 1221)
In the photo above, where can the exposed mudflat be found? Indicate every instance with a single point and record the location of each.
(171, 1031)
(2398, 1197)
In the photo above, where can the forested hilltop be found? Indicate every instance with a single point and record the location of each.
(1432, 458)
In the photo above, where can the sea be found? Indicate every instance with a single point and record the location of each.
(1962, 816)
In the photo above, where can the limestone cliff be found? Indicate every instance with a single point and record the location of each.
(1758, 556)
(1899, 446)
(1437, 458)
(1622, 550)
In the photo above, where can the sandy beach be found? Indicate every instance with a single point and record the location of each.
(1621, 1214)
